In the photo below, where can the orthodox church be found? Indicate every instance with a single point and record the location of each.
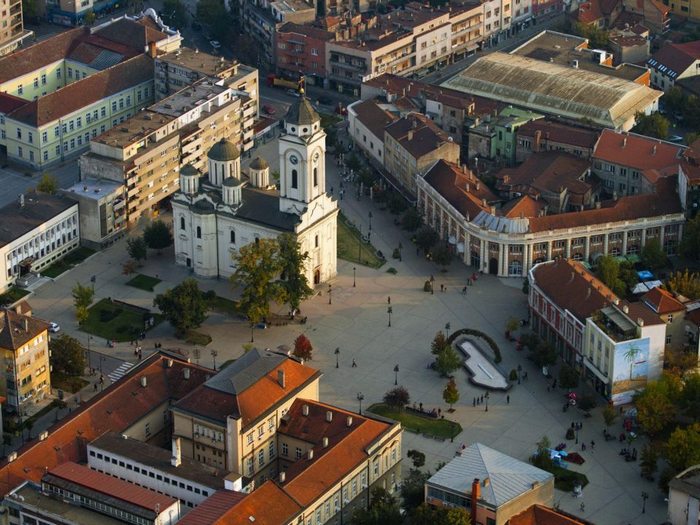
(214, 215)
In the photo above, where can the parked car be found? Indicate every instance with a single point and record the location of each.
(293, 92)
(269, 110)
(675, 138)
(54, 328)
(215, 44)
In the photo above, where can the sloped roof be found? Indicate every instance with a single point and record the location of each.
(541, 515)
(525, 206)
(462, 189)
(417, 134)
(553, 88)
(546, 171)
(213, 508)
(559, 132)
(508, 477)
(674, 59)
(662, 302)
(302, 113)
(372, 116)
(17, 330)
(132, 33)
(638, 151)
(224, 151)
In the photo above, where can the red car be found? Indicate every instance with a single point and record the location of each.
(269, 110)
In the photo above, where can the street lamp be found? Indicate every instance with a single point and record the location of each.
(370, 220)
(645, 497)
(89, 355)
(337, 353)
(330, 290)
(400, 248)
(359, 245)
(447, 329)
(389, 310)
(354, 283)
(93, 279)
(360, 398)
(396, 375)
(388, 299)
(214, 353)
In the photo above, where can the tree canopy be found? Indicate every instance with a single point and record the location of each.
(184, 306)
(175, 14)
(67, 356)
(690, 243)
(450, 394)
(653, 256)
(448, 361)
(157, 235)
(383, 510)
(47, 184)
(684, 283)
(137, 249)
(618, 276)
(302, 348)
(654, 125)
(683, 447)
(426, 238)
(397, 397)
(293, 285)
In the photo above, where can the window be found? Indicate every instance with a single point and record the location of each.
(315, 177)
(114, 105)
(182, 223)
(261, 431)
(232, 233)
(271, 424)
(44, 136)
(19, 134)
(250, 438)
(285, 449)
(199, 232)
(30, 137)
(271, 449)
(70, 72)
(298, 453)
(20, 90)
(670, 318)
(261, 458)
(19, 151)
(251, 465)
(43, 79)
(295, 179)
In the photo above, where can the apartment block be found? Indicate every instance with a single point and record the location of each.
(12, 31)
(145, 152)
(24, 347)
(301, 50)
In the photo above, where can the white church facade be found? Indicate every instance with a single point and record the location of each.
(217, 214)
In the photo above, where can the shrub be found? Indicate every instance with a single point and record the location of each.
(513, 376)
(397, 397)
(587, 403)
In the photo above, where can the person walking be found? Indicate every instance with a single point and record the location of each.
(473, 401)
(508, 399)
(592, 445)
(354, 364)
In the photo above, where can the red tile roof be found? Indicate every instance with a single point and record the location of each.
(17, 330)
(267, 505)
(114, 410)
(132, 33)
(690, 163)
(306, 31)
(8, 103)
(638, 152)
(558, 132)
(571, 287)
(213, 508)
(662, 302)
(110, 486)
(525, 206)
(676, 58)
(77, 95)
(589, 12)
(541, 515)
(373, 117)
(417, 134)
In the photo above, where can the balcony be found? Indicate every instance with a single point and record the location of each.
(615, 325)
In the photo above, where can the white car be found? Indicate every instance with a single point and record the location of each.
(54, 328)
(215, 44)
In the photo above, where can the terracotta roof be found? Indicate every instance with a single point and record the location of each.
(546, 171)
(541, 515)
(589, 12)
(8, 103)
(109, 486)
(114, 410)
(213, 508)
(417, 134)
(638, 152)
(451, 182)
(664, 202)
(17, 330)
(132, 33)
(267, 505)
(662, 302)
(690, 163)
(674, 59)
(373, 117)
(525, 206)
(558, 132)
(571, 287)
(84, 92)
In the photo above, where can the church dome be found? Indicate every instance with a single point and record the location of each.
(259, 164)
(302, 113)
(231, 182)
(224, 151)
(189, 170)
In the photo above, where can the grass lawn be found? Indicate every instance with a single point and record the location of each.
(70, 384)
(197, 338)
(72, 259)
(223, 305)
(352, 248)
(143, 282)
(115, 321)
(12, 295)
(565, 479)
(428, 426)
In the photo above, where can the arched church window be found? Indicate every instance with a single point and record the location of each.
(199, 232)
(182, 223)
(315, 176)
(295, 179)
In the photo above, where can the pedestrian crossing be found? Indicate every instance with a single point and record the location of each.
(117, 374)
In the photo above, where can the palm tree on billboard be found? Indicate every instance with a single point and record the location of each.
(631, 355)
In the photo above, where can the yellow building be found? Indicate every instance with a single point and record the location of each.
(24, 347)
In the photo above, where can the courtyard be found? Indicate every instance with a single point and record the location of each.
(356, 323)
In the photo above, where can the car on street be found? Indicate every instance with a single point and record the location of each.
(675, 138)
(293, 92)
(215, 44)
(269, 110)
(54, 328)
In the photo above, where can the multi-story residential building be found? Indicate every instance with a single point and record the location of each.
(685, 8)
(102, 211)
(497, 20)
(366, 123)
(683, 500)
(231, 421)
(629, 164)
(67, 89)
(36, 231)
(12, 31)
(496, 137)
(145, 152)
(689, 179)
(671, 311)
(674, 62)
(550, 135)
(471, 481)
(24, 346)
(411, 145)
(328, 461)
(301, 50)
(508, 241)
(630, 44)
(618, 345)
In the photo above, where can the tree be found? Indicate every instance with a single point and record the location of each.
(441, 255)
(654, 125)
(411, 219)
(89, 17)
(67, 356)
(512, 324)
(137, 249)
(82, 298)
(426, 238)
(30, 10)
(609, 415)
(383, 510)
(129, 267)
(674, 99)
(690, 397)
(426, 514)
(302, 348)
(439, 343)
(526, 286)
(684, 283)
(448, 361)
(544, 354)
(568, 377)
(690, 243)
(608, 271)
(413, 488)
(294, 286)
(598, 38)
(397, 397)
(257, 265)
(683, 447)
(648, 460)
(450, 394)
(655, 411)
(81, 314)
(175, 14)
(47, 184)
(157, 236)
(653, 256)
(417, 457)
(184, 306)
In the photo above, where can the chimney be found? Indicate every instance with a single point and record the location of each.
(144, 381)
(467, 187)
(18, 309)
(168, 363)
(538, 140)
(152, 50)
(640, 321)
(280, 378)
(625, 308)
(186, 373)
(653, 150)
(325, 442)
(176, 458)
(410, 135)
(476, 496)
(283, 477)
(329, 416)
(349, 421)
(574, 64)
(310, 454)
(588, 293)
(624, 142)
(483, 202)
(305, 410)
(26, 324)
(478, 186)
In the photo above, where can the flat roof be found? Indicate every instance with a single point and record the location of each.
(92, 188)
(184, 100)
(134, 129)
(16, 220)
(159, 459)
(196, 60)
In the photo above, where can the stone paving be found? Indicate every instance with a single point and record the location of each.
(357, 324)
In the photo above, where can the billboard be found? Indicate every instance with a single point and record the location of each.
(630, 369)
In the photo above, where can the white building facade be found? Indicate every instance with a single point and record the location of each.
(216, 216)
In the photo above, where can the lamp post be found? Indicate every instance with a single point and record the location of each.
(577, 434)
(89, 355)
(400, 248)
(330, 290)
(645, 497)
(389, 310)
(396, 375)
(447, 329)
(359, 245)
(360, 398)
(370, 220)
(354, 282)
(214, 353)
(337, 353)
(93, 279)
